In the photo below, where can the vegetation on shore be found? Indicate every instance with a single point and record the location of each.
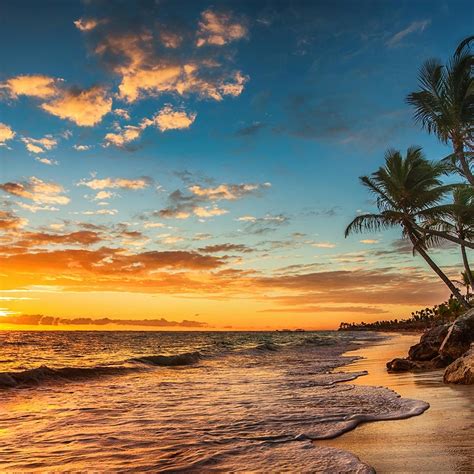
(418, 321)
(409, 190)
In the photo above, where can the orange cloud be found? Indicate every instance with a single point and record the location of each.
(143, 72)
(9, 221)
(37, 190)
(219, 29)
(209, 212)
(34, 85)
(172, 119)
(86, 24)
(6, 133)
(85, 108)
(123, 136)
(82, 237)
(39, 145)
(166, 119)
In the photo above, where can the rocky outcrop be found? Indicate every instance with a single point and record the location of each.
(461, 370)
(459, 337)
(430, 342)
(441, 346)
(402, 365)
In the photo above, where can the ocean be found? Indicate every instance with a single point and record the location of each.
(184, 401)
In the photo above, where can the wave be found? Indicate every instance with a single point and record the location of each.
(32, 377)
(187, 358)
(44, 373)
(267, 346)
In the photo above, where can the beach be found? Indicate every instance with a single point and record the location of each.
(439, 440)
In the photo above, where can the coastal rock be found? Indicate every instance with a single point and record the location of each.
(459, 337)
(461, 371)
(401, 365)
(429, 344)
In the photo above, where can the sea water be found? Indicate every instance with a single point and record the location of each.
(184, 401)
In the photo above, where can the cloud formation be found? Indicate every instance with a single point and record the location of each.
(413, 27)
(31, 85)
(169, 118)
(36, 190)
(84, 107)
(39, 145)
(6, 133)
(218, 29)
(152, 61)
(183, 204)
(9, 221)
(117, 183)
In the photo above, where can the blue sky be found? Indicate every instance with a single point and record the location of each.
(290, 102)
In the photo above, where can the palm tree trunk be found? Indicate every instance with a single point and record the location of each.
(439, 272)
(444, 235)
(466, 170)
(466, 266)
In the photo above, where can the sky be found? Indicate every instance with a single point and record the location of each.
(193, 165)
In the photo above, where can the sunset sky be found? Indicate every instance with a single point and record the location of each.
(199, 161)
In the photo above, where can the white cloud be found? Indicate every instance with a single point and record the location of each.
(323, 245)
(82, 147)
(46, 161)
(413, 27)
(246, 219)
(118, 183)
(101, 212)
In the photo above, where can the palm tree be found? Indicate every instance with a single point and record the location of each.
(467, 279)
(458, 219)
(444, 105)
(406, 189)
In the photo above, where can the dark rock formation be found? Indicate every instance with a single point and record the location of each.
(401, 365)
(429, 344)
(439, 347)
(459, 337)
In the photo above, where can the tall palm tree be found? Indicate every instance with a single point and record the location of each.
(467, 280)
(444, 105)
(456, 218)
(406, 189)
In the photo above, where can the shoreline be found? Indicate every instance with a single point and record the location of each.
(439, 440)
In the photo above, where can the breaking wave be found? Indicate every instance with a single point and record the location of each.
(44, 373)
(177, 360)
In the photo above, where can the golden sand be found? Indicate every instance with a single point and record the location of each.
(439, 440)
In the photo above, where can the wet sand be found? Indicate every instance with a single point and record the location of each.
(439, 440)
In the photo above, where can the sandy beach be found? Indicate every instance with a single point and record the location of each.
(439, 440)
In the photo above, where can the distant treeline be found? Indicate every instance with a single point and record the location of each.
(419, 320)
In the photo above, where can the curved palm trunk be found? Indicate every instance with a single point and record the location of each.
(444, 235)
(439, 272)
(466, 266)
(466, 170)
